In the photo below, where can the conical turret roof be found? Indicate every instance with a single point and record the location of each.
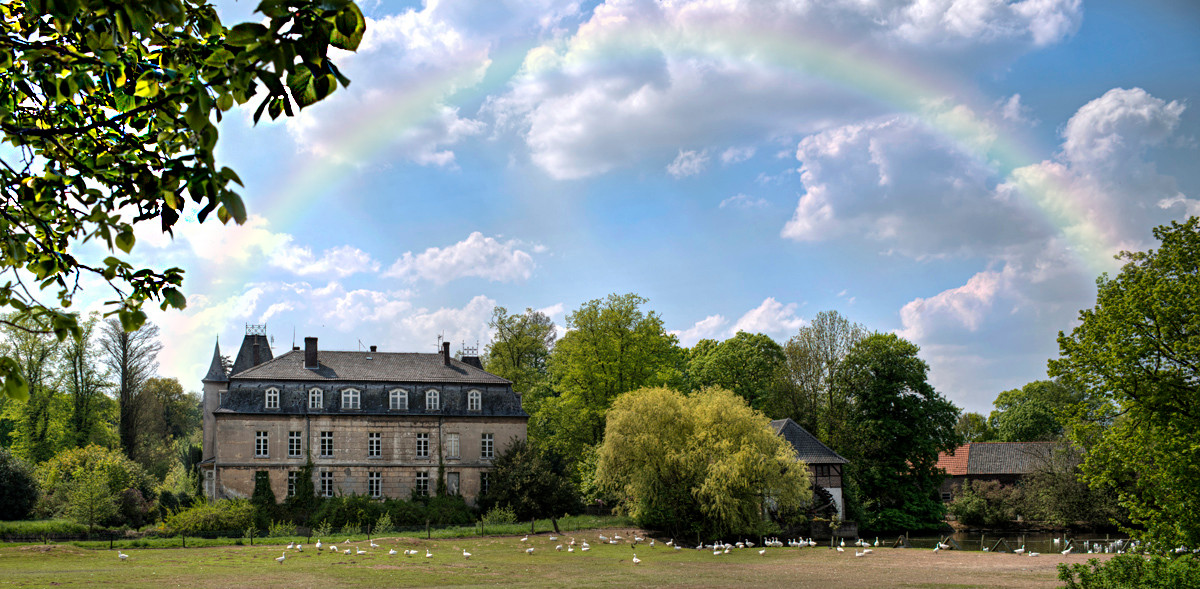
(216, 372)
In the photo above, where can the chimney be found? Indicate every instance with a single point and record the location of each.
(446, 353)
(310, 353)
(254, 361)
(373, 348)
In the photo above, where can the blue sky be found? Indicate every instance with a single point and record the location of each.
(956, 171)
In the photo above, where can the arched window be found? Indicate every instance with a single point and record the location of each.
(398, 400)
(316, 398)
(272, 398)
(350, 398)
(432, 400)
(474, 401)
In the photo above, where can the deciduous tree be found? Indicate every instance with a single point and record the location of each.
(521, 348)
(1138, 353)
(813, 355)
(704, 464)
(1035, 412)
(751, 365)
(533, 482)
(85, 383)
(18, 488)
(972, 427)
(108, 112)
(132, 358)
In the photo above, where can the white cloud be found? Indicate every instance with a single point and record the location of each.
(771, 317)
(710, 327)
(741, 201)
(476, 256)
(735, 155)
(688, 163)
(1013, 111)
(340, 261)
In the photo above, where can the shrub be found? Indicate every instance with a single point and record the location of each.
(986, 503)
(55, 476)
(281, 529)
(449, 510)
(500, 514)
(133, 508)
(349, 511)
(1133, 572)
(383, 525)
(263, 500)
(226, 515)
(18, 488)
(323, 530)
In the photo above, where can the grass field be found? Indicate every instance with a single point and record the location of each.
(501, 560)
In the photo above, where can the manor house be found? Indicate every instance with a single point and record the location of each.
(373, 423)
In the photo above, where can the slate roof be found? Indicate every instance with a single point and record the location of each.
(808, 447)
(216, 372)
(370, 366)
(245, 357)
(994, 458)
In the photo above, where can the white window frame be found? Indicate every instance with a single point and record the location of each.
(452, 446)
(474, 401)
(316, 398)
(271, 398)
(453, 482)
(293, 478)
(487, 446)
(422, 446)
(398, 400)
(375, 484)
(351, 398)
(326, 483)
(374, 445)
(295, 445)
(422, 484)
(485, 482)
(262, 448)
(326, 450)
(433, 400)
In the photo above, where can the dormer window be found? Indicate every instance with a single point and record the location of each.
(432, 401)
(474, 401)
(350, 399)
(272, 398)
(398, 400)
(316, 398)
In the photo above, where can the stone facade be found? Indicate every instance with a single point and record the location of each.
(358, 415)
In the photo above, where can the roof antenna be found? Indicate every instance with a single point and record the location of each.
(360, 345)
(293, 337)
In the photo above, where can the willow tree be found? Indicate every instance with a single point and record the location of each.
(705, 464)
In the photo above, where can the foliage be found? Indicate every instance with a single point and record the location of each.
(896, 426)
(131, 357)
(89, 500)
(813, 355)
(263, 500)
(520, 350)
(705, 463)
(281, 529)
(383, 525)
(1034, 412)
(42, 528)
(303, 503)
(86, 384)
(324, 529)
(1055, 493)
(33, 355)
(612, 347)
(210, 517)
(1136, 355)
(164, 416)
(750, 365)
(57, 475)
(18, 488)
(972, 427)
(986, 503)
(1131, 571)
(133, 508)
(499, 514)
(107, 118)
(532, 481)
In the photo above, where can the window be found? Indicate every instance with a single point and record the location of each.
(292, 478)
(452, 483)
(326, 444)
(327, 484)
(350, 399)
(374, 442)
(422, 483)
(260, 445)
(473, 401)
(272, 398)
(375, 484)
(398, 400)
(947, 496)
(432, 403)
(485, 480)
(422, 445)
(316, 398)
(487, 447)
(451, 445)
(294, 445)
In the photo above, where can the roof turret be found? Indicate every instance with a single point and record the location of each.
(216, 371)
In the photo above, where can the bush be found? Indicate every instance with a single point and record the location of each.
(18, 488)
(56, 475)
(986, 503)
(500, 514)
(226, 515)
(281, 529)
(323, 530)
(133, 508)
(383, 525)
(263, 500)
(1133, 572)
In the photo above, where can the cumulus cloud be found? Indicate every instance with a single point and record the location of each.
(688, 163)
(711, 327)
(771, 317)
(339, 261)
(639, 79)
(476, 256)
(741, 201)
(735, 155)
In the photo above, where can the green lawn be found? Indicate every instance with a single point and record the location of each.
(501, 560)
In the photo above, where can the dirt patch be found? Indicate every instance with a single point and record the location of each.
(52, 548)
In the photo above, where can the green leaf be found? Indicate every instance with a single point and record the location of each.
(246, 33)
(147, 85)
(301, 83)
(15, 385)
(172, 297)
(349, 28)
(125, 238)
(131, 319)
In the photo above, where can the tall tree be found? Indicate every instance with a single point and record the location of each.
(521, 348)
(164, 415)
(751, 365)
(107, 113)
(533, 482)
(1035, 412)
(973, 427)
(813, 356)
(613, 346)
(132, 356)
(85, 382)
(704, 464)
(896, 426)
(33, 353)
(1136, 356)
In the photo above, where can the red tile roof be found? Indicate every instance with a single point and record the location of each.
(954, 462)
(992, 458)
